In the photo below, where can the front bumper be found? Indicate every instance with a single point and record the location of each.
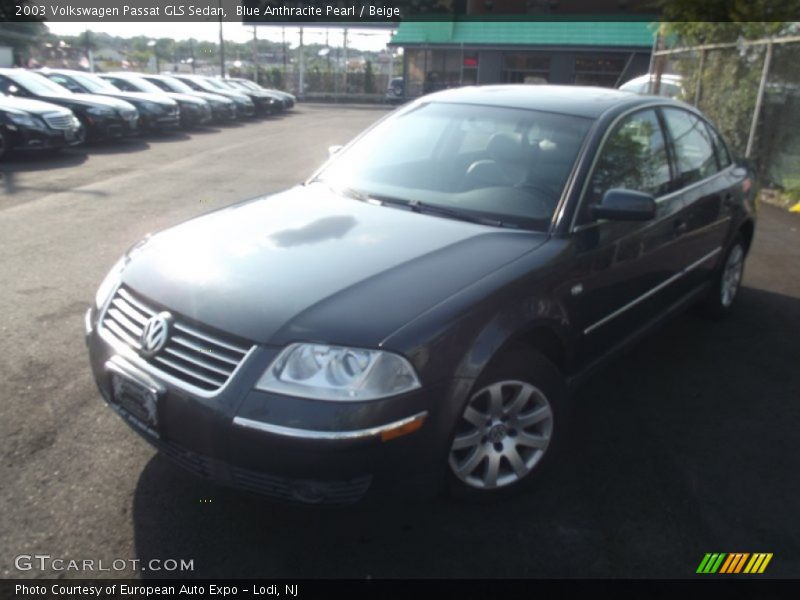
(291, 449)
(245, 111)
(160, 122)
(265, 108)
(23, 138)
(195, 116)
(223, 112)
(111, 128)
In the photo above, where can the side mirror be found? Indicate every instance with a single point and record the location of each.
(625, 205)
(14, 90)
(334, 150)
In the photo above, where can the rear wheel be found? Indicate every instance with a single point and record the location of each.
(727, 281)
(508, 429)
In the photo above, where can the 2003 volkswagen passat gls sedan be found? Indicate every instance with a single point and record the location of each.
(416, 312)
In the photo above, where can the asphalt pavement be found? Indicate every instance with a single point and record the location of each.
(685, 445)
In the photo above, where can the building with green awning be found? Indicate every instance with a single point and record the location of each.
(442, 54)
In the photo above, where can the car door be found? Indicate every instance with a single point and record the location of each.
(623, 270)
(708, 185)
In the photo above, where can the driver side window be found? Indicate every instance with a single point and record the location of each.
(634, 157)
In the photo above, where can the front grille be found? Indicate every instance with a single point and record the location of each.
(59, 121)
(192, 354)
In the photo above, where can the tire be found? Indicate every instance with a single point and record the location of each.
(4, 143)
(727, 281)
(510, 429)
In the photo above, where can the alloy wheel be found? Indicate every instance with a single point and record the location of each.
(502, 435)
(732, 275)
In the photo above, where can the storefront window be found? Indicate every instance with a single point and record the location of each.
(604, 72)
(526, 68)
(415, 71)
(434, 70)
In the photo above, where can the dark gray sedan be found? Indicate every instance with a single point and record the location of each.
(413, 317)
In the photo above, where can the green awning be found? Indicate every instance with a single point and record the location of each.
(526, 33)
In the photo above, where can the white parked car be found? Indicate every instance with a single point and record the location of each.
(671, 85)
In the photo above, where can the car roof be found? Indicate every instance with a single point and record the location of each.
(122, 74)
(582, 101)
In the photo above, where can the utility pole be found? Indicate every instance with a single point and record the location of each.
(255, 55)
(283, 47)
(301, 82)
(328, 47)
(345, 61)
(221, 43)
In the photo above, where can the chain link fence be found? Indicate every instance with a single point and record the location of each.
(751, 91)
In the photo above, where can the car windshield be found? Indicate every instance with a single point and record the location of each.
(38, 84)
(170, 84)
(504, 164)
(199, 84)
(217, 84)
(143, 85)
(93, 83)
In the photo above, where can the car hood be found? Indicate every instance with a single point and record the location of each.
(137, 97)
(88, 100)
(233, 95)
(187, 98)
(308, 264)
(31, 106)
(211, 97)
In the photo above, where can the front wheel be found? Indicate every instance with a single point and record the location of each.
(4, 143)
(508, 429)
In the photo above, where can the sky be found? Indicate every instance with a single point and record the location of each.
(362, 39)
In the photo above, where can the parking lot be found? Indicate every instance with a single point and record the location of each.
(686, 445)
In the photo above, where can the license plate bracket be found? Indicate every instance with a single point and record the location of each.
(137, 400)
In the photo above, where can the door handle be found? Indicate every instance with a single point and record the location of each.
(681, 227)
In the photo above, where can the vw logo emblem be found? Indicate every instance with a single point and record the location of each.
(155, 333)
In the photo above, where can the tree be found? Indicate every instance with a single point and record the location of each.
(730, 77)
(369, 78)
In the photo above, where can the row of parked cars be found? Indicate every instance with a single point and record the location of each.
(55, 108)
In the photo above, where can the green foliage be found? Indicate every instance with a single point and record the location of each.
(729, 86)
(714, 21)
(369, 78)
(22, 37)
(730, 78)
(275, 78)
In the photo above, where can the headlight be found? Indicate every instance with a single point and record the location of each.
(152, 107)
(338, 373)
(100, 111)
(27, 121)
(109, 283)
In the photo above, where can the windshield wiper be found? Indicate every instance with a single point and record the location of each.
(415, 206)
(435, 209)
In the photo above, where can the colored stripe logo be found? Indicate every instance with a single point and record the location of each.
(734, 563)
